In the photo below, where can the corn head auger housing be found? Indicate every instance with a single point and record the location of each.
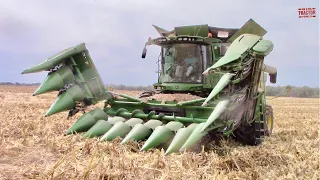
(224, 67)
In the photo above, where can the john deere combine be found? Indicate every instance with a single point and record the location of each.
(223, 67)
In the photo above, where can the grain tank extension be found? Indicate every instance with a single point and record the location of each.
(223, 69)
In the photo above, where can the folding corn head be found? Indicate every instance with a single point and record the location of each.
(224, 68)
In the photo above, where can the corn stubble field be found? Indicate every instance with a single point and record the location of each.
(34, 147)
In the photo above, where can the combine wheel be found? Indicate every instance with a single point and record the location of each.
(254, 133)
(248, 135)
(268, 120)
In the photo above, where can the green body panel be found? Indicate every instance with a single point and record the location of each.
(211, 80)
(180, 138)
(54, 60)
(160, 135)
(120, 129)
(98, 129)
(102, 126)
(223, 66)
(263, 48)
(67, 100)
(223, 82)
(250, 27)
(142, 131)
(56, 80)
(227, 59)
(195, 136)
(220, 108)
(72, 66)
(181, 87)
(237, 49)
(152, 124)
(193, 113)
(87, 120)
(139, 132)
(198, 30)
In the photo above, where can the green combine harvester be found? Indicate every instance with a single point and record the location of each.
(223, 67)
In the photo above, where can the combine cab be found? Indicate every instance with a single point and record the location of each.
(222, 69)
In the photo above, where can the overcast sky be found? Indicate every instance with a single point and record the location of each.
(115, 32)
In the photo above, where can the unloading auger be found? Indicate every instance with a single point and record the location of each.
(224, 68)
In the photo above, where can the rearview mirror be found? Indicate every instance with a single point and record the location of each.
(273, 78)
(144, 52)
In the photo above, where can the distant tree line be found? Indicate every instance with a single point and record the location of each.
(303, 92)
(19, 84)
(130, 88)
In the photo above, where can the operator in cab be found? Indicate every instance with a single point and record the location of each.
(190, 63)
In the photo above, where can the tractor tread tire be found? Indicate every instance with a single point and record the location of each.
(250, 134)
(269, 112)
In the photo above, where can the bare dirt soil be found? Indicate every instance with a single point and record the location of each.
(34, 147)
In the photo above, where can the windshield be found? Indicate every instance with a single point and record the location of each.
(182, 63)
